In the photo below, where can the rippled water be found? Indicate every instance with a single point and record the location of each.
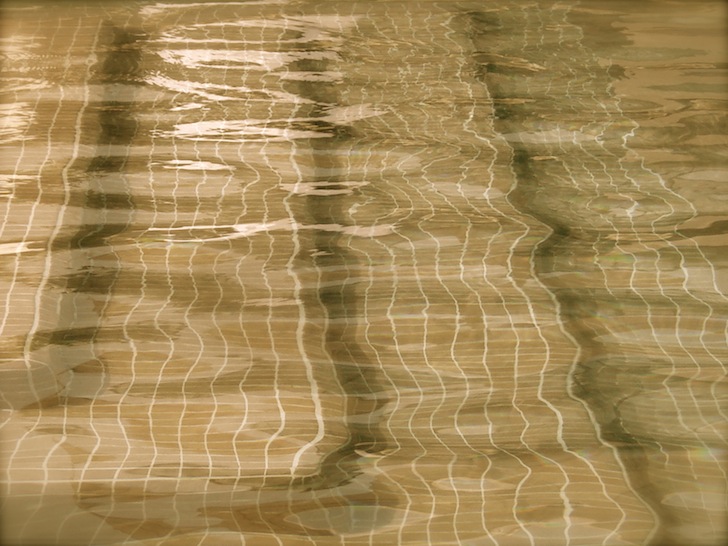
(323, 272)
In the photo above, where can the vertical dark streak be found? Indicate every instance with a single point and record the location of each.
(336, 294)
(574, 307)
(106, 209)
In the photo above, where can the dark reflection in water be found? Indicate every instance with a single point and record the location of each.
(338, 272)
(324, 251)
(609, 376)
(103, 197)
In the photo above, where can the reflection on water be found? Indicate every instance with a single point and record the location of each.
(364, 273)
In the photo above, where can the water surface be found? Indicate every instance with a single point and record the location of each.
(320, 272)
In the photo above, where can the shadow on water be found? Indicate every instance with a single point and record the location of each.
(533, 195)
(327, 252)
(86, 277)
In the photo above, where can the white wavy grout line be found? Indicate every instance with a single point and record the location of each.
(509, 261)
(382, 369)
(577, 357)
(11, 198)
(269, 322)
(265, 156)
(426, 320)
(326, 326)
(456, 303)
(201, 342)
(458, 314)
(241, 262)
(308, 365)
(561, 326)
(401, 359)
(259, 178)
(639, 239)
(470, 118)
(158, 324)
(133, 364)
(717, 460)
(404, 121)
(18, 163)
(664, 240)
(298, 174)
(94, 344)
(198, 340)
(410, 250)
(573, 396)
(45, 277)
(688, 292)
(484, 361)
(624, 515)
(567, 504)
(393, 407)
(226, 359)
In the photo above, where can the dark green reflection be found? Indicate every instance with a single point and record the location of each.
(104, 199)
(525, 104)
(337, 267)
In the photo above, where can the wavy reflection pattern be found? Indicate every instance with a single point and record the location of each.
(353, 273)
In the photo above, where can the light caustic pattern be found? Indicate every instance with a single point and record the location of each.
(280, 273)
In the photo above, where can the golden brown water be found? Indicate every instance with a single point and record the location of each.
(364, 273)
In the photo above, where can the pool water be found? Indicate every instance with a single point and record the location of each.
(294, 272)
